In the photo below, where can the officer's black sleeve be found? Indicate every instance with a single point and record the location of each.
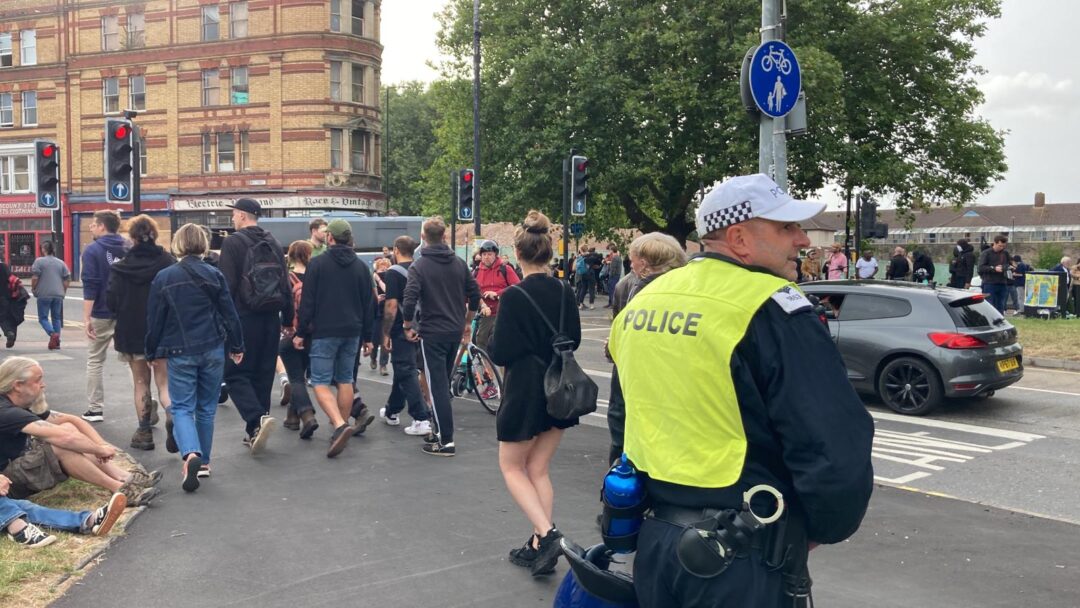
(823, 428)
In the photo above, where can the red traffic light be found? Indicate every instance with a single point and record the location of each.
(48, 151)
(121, 132)
(466, 176)
(583, 165)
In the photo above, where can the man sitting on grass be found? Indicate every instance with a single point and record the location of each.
(21, 518)
(40, 449)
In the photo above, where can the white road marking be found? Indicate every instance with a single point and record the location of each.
(596, 372)
(957, 426)
(1043, 390)
(597, 329)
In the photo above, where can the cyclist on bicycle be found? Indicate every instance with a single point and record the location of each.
(493, 276)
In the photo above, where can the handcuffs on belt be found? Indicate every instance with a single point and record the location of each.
(707, 551)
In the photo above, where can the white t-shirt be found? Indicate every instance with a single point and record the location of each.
(866, 268)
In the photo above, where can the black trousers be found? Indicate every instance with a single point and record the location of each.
(296, 366)
(438, 365)
(406, 387)
(616, 416)
(251, 382)
(661, 582)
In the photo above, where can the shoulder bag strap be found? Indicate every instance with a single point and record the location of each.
(200, 282)
(538, 310)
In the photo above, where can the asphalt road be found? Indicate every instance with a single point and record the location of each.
(977, 506)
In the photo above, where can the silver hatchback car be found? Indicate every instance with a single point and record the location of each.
(913, 345)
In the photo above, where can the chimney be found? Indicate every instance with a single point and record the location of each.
(1040, 199)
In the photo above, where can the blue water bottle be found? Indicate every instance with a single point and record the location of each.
(624, 507)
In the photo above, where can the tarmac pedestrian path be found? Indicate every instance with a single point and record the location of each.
(386, 525)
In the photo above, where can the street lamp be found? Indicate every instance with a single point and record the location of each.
(1012, 228)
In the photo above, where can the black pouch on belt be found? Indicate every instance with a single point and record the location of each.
(786, 549)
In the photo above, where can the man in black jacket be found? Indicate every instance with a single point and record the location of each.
(994, 269)
(251, 382)
(898, 266)
(962, 267)
(440, 284)
(337, 310)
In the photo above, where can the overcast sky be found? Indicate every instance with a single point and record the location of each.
(1032, 87)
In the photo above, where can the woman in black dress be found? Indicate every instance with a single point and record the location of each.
(528, 436)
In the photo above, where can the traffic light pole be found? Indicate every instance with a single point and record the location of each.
(453, 210)
(566, 215)
(476, 117)
(136, 173)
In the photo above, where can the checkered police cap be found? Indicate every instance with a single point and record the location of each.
(748, 196)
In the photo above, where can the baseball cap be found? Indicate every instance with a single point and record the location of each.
(249, 205)
(338, 228)
(748, 196)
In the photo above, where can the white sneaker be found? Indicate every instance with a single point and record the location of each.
(391, 420)
(418, 428)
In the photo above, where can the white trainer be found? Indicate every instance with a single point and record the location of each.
(392, 420)
(418, 428)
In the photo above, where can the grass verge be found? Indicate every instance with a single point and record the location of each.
(1054, 339)
(29, 577)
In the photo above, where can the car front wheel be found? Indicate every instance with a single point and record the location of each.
(909, 386)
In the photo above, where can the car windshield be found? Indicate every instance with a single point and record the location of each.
(973, 312)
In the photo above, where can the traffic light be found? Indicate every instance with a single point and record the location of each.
(867, 217)
(47, 169)
(579, 187)
(119, 162)
(466, 181)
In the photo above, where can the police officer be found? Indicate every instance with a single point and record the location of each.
(763, 398)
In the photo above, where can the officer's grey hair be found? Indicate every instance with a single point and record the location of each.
(15, 369)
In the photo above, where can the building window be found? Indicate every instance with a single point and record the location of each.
(110, 33)
(14, 174)
(335, 80)
(136, 31)
(335, 149)
(335, 15)
(238, 20)
(29, 108)
(360, 149)
(226, 152)
(142, 158)
(210, 22)
(358, 83)
(137, 92)
(238, 86)
(7, 113)
(5, 51)
(358, 17)
(207, 154)
(28, 47)
(245, 151)
(111, 92)
(211, 82)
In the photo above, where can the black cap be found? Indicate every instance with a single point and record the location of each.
(248, 205)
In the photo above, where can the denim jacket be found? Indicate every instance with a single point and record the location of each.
(183, 319)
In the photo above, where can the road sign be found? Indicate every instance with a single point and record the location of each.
(577, 229)
(120, 190)
(47, 200)
(775, 78)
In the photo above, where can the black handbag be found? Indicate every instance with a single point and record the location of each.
(570, 392)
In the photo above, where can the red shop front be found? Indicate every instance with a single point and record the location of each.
(23, 228)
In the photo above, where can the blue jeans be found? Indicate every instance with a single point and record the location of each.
(11, 509)
(332, 360)
(53, 307)
(194, 385)
(995, 293)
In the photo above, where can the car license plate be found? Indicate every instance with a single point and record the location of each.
(1006, 365)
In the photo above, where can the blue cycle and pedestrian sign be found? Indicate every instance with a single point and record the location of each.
(775, 78)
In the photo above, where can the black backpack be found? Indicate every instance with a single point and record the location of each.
(570, 392)
(262, 277)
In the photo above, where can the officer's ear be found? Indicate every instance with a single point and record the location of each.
(739, 238)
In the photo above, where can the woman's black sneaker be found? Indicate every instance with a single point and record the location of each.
(170, 441)
(191, 474)
(524, 555)
(547, 553)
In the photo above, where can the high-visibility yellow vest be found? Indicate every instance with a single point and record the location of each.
(673, 344)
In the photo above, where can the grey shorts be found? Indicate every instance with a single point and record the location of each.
(36, 470)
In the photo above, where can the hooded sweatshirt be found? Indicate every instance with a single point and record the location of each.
(129, 291)
(97, 259)
(338, 299)
(440, 284)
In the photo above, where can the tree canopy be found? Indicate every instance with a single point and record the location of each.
(649, 90)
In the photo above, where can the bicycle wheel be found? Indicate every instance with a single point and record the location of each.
(457, 383)
(487, 382)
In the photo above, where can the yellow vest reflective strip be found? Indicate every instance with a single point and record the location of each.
(673, 344)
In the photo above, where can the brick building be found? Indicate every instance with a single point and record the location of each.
(273, 99)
